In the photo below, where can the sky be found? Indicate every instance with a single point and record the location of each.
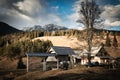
(27, 13)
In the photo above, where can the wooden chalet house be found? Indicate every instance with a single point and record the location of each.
(98, 54)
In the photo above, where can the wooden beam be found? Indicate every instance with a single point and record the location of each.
(57, 64)
(27, 63)
(71, 61)
(44, 64)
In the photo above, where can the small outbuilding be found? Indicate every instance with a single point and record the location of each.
(42, 55)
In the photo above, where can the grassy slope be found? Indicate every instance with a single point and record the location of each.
(73, 74)
(64, 41)
(57, 41)
(94, 73)
(76, 44)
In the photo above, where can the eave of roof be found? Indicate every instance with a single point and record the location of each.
(40, 54)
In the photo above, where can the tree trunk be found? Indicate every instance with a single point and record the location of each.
(89, 42)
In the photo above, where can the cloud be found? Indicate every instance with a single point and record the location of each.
(111, 14)
(8, 3)
(27, 13)
(75, 16)
(14, 18)
(29, 7)
(55, 7)
(48, 19)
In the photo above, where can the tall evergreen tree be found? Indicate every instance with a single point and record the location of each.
(108, 41)
(115, 42)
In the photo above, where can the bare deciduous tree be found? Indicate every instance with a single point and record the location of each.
(90, 13)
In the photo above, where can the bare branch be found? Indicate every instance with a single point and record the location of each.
(90, 11)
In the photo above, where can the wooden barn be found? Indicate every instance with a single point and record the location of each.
(56, 55)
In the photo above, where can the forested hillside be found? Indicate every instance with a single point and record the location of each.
(19, 43)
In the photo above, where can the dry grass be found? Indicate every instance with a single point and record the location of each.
(64, 41)
(7, 64)
(94, 73)
(114, 52)
(75, 44)
(78, 73)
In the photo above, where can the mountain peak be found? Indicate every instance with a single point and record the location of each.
(48, 27)
(7, 29)
(53, 27)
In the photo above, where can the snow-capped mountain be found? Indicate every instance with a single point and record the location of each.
(36, 27)
(48, 27)
(53, 27)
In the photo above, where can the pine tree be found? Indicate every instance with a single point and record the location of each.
(115, 42)
(107, 43)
